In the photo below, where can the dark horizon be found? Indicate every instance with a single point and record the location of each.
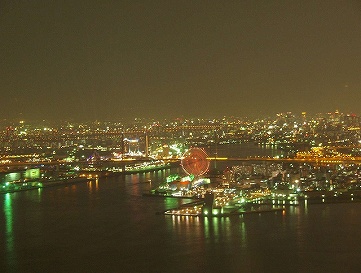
(91, 60)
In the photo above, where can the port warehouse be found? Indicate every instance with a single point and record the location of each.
(20, 179)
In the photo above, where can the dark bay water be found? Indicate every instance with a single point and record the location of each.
(243, 150)
(107, 226)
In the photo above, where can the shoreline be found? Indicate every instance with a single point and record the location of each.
(91, 176)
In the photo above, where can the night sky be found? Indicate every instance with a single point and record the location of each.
(107, 60)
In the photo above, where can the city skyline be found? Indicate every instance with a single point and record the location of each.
(102, 61)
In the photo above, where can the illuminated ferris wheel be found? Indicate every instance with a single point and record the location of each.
(195, 162)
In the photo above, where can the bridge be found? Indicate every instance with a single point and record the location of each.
(323, 160)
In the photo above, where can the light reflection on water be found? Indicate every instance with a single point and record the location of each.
(211, 230)
(107, 224)
(9, 234)
(93, 185)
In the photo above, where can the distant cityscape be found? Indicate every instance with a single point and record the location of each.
(296, 134)
(320, 157)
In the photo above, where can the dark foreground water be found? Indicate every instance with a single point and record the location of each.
(107, 226)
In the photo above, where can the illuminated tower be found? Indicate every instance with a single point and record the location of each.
(337, 117)
(146, 144)
(303, 117)
(123, 147)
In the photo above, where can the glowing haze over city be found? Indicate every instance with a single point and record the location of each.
(180, 136)
(92, 60)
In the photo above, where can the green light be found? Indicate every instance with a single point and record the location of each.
(9, 235)
(172, 178)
